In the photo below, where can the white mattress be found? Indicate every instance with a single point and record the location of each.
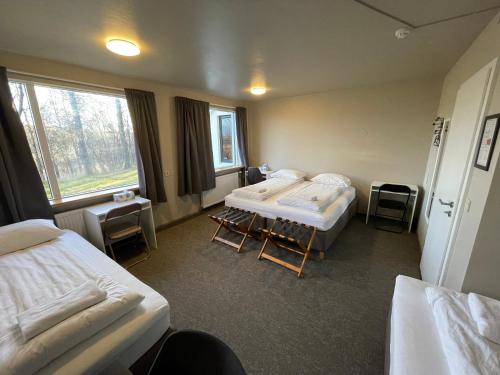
(127, 334)
(415, 346)
(271, 209)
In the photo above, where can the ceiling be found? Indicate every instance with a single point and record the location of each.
(224, 46)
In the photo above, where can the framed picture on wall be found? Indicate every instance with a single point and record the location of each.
(487, 140)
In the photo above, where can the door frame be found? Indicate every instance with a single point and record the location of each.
(456, 220)
(436, 169)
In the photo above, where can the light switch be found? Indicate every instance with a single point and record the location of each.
(167, 173)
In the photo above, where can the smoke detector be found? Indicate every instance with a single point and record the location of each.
(402, 33)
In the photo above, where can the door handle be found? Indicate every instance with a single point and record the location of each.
(447, 213)
(451, 204)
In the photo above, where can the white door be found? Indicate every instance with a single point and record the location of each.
(457, 159)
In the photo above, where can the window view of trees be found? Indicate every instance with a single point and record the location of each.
(224, 138)
(89, 138)
(22, 105)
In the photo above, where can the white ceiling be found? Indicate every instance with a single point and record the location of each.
(223, 46)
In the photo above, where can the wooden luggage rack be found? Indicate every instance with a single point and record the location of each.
(284, 234)
(236, 221)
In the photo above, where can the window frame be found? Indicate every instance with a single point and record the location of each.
(43, 143)
(236, 163)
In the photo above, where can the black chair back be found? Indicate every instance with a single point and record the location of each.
(390, 188)
(254, 176)
(194, 352)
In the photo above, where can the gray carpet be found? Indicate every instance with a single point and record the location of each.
(332, 321)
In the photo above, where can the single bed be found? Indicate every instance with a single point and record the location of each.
(329, 222)
(126, 339)
(413, 343)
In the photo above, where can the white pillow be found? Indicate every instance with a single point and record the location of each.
(332, 179)
(289, 174)
(27, 233)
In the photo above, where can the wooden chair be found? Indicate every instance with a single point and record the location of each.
(115, 230)
(236, 221)
(284, 234)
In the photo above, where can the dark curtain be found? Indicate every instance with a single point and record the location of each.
(194, 146)
(142, 107)
(22, 195)
(241, 131)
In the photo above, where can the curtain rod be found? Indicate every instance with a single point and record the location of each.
(222, 106)
(34, 75)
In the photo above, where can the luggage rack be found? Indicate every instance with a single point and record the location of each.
(283, 234)
(234, 220)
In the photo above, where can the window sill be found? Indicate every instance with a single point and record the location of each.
(89, 199)
(228, 170)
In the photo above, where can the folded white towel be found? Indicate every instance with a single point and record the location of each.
(40, 318)
(18, 357)
(486, 313)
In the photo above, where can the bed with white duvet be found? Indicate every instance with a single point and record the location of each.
(271, 209)
(434, 330)
(119, 328)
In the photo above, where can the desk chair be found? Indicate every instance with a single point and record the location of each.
(384, 201)
(192, 352)
(254, 176)
(115, 230)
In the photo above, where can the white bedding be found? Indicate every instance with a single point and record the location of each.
(265, 189)
(311, 196)
(79, 259)
(270, 208)
(467, 352)
(415, 347)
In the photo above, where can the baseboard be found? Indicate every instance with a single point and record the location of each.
(183, 219)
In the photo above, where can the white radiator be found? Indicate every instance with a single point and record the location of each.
(224, 185)
(72, 220)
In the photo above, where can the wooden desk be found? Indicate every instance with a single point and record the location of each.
(412, 202)
(94, 217)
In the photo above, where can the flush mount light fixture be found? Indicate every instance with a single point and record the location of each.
(258, 90)
(123, 47)
(402, 33)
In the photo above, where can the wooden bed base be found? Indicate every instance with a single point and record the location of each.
(234, 220)
(292, 236)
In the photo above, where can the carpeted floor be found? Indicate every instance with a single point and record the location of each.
(332, 321)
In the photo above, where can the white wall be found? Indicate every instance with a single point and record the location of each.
(371, 133)
(176, 207)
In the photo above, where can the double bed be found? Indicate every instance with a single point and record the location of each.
(329, 222)
(122, 342)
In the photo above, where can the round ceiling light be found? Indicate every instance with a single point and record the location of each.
(123, 47)
(258, 90)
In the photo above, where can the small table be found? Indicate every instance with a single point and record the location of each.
(94, 216)
(413, 198)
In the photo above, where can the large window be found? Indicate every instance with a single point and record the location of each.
(224, 141)
(81, 141)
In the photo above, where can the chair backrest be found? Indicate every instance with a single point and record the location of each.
(194, 352)
(254, 176)
(392, 188)
(115, 213)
